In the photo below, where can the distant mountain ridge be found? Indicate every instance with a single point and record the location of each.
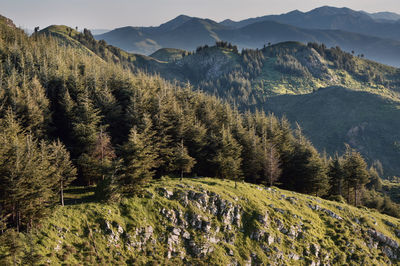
(385, 16)
(373, 35)
(381, 24)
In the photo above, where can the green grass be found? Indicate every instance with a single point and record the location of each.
(169, 54)
(76, 234)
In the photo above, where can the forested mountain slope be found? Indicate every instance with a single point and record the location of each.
(77, 111)
(252, 78)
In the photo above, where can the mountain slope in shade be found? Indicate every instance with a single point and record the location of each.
(385, 16)
(335, 115)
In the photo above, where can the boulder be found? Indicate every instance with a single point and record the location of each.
(314, 249)
(165, 193)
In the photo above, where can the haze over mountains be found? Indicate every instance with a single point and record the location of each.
(377, 36)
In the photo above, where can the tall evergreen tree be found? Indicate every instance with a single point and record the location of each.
(271, 163)
(375, 182)
(27, 178)
(228, 159)
(104, 153)
(139, 159)
(355, 173)
(183, 162)
(336, 176)
(304, 170)
(64, 171)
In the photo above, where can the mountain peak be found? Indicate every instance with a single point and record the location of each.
(335, 11)
(330, 10)
(174, 23)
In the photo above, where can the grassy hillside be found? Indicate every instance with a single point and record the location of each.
(204, 221)
(169, 54)
(85, 42)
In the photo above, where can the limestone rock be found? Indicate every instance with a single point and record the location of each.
(165, 193)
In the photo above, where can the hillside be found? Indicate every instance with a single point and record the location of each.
(169, 54)
(205, 221)
(334, 116)
(351, 30)
(85, 41)
(253, 79)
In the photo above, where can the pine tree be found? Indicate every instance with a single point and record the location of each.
(104, 153)
(304, 170)
(336, 176)
(85, 125)
(252, 152)
(30, 104)
(26, 175)
(227, 159)
(64, 171)
(139, 159)
(271, 165)
(183, 162)
(85, 129)
(356, 174)
(375, 182)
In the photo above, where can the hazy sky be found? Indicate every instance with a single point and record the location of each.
(108, 14)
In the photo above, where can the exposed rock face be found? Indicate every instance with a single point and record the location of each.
(316, 207)
(389, 246)
(194, 223)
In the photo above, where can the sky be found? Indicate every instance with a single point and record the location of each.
(110, 14)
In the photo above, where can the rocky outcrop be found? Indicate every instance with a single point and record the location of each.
(185, 223)
(389, 246)
(316, 207)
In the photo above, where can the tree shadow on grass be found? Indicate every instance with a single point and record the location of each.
(79, 195)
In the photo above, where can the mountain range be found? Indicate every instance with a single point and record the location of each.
(376, 36)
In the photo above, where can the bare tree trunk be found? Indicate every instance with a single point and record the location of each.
(355, 195)
(62, 193)
(102, 152)
(348, 192)
(18, 221)
(270, 165)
